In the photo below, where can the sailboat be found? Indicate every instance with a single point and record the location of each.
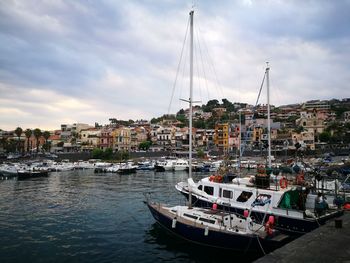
(211, 226)
(292, 201)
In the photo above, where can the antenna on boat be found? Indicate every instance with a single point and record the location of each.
(268, 113)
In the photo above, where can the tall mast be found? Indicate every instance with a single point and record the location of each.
(240, 139)
(268, 113)
(190, 102)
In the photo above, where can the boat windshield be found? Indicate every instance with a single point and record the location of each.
(261, 200)
(244, 196)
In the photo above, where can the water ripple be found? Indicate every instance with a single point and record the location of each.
(81, 216)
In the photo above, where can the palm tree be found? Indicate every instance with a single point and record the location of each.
(4, 143)
(28, 133)
(18, 132)
(37, 133)
(46, 135)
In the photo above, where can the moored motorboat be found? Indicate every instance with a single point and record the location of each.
(145, 166)
(126, 168)
(220, 229)
(164, 165)
(8, 171)
(181, 165)
(26, 174)
(292, 205)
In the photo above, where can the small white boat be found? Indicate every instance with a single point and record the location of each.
(8, 171)
(214, 166)
(181, 165)
(84, 165)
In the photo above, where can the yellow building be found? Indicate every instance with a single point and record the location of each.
(122, 139)
(221, 137)
(258, 134)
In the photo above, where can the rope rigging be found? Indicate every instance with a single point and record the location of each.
(178, 66)
(203, 64)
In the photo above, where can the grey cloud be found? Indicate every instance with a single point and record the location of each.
(71, 47)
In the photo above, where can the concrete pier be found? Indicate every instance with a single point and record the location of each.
(325, 244)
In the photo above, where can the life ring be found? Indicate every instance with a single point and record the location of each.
(283, 183)
(212, 178)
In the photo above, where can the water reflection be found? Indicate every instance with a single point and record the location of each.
(83, 216)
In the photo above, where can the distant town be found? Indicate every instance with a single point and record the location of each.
(220, 126)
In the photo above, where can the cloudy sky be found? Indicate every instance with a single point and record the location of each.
(64, 61)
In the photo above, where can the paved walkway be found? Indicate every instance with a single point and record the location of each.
(325, 244)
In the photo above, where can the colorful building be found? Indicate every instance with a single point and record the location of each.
(221, 139)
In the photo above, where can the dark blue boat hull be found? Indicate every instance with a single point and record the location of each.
(127, 171)
(30, 174)
(217, 239)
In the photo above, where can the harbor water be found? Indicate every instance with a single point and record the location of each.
(80, 216)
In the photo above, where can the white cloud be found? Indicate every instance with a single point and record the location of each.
(64, 61)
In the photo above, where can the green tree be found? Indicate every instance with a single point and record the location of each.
(108, 154)
(181, 117)
(225, 117)
(199, 124)
(3, 142)
(11, 145)
(181, 112)
(46, 135)
(228, 105)
(97, 153)
(18, 132)
(200, 154)
(299, 129)
(74, 136)
(125, 155)
(122, 155)
(292, 118)
(145, 145)
(324, 136)
(339, 110)
(28, 133)
(210, 123)
(211, 104)
(37, 134)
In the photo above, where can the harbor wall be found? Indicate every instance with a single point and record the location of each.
(327, 243)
